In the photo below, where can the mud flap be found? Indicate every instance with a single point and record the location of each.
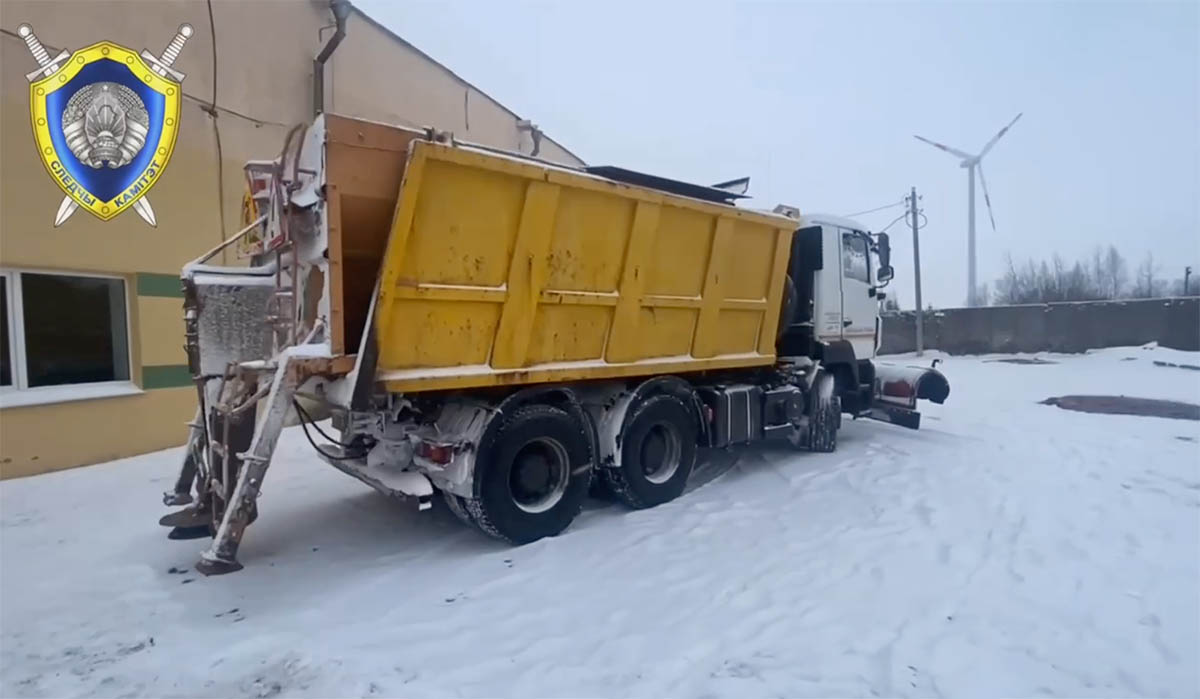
(898, 388)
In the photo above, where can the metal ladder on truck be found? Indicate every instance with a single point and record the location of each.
(237, 446)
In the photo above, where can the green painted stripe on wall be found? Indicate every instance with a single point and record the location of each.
(164, 285)
(166, 376)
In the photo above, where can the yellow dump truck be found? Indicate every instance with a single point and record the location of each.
(511, 333)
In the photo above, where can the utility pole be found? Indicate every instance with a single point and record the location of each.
(912, 211)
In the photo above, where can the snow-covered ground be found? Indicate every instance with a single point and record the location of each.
(1006, 549)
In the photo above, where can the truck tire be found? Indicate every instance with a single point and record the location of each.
(658, 451)
(825, 417)
(458, 505)
(535, 476)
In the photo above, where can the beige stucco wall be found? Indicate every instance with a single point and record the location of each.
(376, 75)
(264, 52)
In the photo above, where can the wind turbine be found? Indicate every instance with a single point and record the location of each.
(973, 163)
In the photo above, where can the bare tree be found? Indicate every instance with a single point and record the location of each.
(1115, 274)
(1147, 285)
(1077, 286)
(1017, 285)
(1104, 276)
(1098, 271)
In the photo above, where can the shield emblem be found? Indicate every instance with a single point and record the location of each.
(105, 126)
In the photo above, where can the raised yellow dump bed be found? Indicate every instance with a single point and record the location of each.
(500, 270)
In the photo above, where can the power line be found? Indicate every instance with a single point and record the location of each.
(880, 208)
(896, 220)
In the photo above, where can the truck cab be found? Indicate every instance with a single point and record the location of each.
(846, 302)
(836, 274)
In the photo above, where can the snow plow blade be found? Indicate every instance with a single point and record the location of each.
(898, 388)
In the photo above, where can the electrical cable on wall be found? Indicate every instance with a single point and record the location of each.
(212, 112)
(204, 103)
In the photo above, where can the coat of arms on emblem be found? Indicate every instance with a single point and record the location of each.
(105, 120)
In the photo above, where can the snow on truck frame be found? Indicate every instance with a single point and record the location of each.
(514, 333)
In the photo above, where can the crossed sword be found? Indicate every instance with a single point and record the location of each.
(48, 66)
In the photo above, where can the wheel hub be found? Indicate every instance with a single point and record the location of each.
(661, 452)
(539, 475)
(533, 474)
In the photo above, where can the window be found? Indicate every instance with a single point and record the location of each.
(855, 262)
(61, 331)
(5, 352)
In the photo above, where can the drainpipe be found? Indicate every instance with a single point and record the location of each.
(534, 133)
(340, 9)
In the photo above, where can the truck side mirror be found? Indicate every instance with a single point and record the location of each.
(883, 248)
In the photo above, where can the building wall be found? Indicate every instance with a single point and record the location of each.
(1051, 327)
(376, 75)
(263, 85)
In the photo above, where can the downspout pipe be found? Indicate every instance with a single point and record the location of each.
(341, 10)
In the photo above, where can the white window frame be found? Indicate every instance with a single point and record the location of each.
(10, 281)
(20, 393)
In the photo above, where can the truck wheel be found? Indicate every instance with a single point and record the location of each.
(458, 505)
(825, 416)
(535, 476)
(658, 452)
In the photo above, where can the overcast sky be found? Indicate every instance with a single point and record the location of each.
(818, 102)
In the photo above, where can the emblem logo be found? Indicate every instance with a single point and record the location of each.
(105, 120)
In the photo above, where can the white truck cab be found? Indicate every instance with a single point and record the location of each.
(831, 314)
(846, 288)
(837, 272)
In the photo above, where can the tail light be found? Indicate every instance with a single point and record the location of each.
(437, 453)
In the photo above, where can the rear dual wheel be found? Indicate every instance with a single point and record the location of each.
(538, 470)
(534, 477)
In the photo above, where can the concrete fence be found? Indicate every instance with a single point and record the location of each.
(1051, 327)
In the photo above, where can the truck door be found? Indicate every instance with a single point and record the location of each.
(859, 307)
(827, 286)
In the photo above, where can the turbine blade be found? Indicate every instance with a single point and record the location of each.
(142, 206)
(948, 149)
(65, 209)
(986, 199)
(995, 138)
